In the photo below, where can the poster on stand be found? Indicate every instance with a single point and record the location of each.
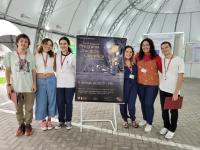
(99, 69)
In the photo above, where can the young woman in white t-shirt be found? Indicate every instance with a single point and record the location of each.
(46, 85)
(170, 85)
(65, 72)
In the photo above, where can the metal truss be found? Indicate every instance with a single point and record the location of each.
(96, 15)
(122, 15)
(156, 15)
(179, 10)
(7, 8)
(136, 15)
(46, 13)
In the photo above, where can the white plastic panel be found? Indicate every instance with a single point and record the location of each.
(169, 23)
(119, 32)
(28, 7)
(195, 32)
(184, 25)
(190, 6)
(171, 7)
(143, 28)
(157, 25)
(3, 5)
(105, 15)
(115, 13)
(65, 11)
(133, 31)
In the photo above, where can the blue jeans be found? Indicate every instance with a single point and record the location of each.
(65, 103)
(147, 95)
(45, 98)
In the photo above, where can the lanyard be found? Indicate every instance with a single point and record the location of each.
(45, 60)
(21, 61)
(167, 68)
(62, 60)
(131, 69)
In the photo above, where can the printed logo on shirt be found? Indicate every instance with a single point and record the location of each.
(22, 66)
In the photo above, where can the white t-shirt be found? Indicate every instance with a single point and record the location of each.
(66, 75)
(40, 67)
(168, 81)
(21, 74)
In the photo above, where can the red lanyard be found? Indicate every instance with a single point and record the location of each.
(166, 68)
(21, 61)
(62, 61)
(45, 60)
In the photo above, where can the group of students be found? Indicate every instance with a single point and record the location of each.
(34, 76)
(142, 78)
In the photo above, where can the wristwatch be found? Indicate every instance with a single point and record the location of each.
(9, 84)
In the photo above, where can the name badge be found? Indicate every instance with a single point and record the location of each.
(143, 70)
(131, 76)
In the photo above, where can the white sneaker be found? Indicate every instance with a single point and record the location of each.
(59, 125)
(142, 123)
(163, 131)
(169, 135)
(68, 125)
(148, 128)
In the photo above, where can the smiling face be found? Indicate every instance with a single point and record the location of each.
(47, 46)
(64, 45)
(128, 53)
(23, 44)
(166, 49)
(146, 47)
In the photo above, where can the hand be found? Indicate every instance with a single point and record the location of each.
(34, 88)
(9, 89)
(175, 97)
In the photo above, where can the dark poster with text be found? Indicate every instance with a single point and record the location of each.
(99, 72)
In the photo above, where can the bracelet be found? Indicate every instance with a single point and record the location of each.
(9, 84)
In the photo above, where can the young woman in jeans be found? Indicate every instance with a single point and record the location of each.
(46, 85)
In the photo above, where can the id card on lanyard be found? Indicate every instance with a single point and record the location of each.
(131, 76)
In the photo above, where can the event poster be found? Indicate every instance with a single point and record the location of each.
(99, 69)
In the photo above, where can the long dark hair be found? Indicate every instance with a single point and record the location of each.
(44, 41)
(152, 49)
(68, 42)
(132, 57)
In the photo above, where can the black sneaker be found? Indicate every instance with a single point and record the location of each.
(68, 125)
(59, 125)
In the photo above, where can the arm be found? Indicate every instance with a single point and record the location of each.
(34, 80)
(159, 63)
(9, 87)
(7, 64)
(54, 63)
(179, 84)
(34, 74)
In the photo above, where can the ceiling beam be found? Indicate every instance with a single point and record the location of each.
(177, 17)
(96, 16)
(46, 13)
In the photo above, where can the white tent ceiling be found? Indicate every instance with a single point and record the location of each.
(122, 18)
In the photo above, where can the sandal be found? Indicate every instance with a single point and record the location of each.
(125, 124)
(135, 124)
